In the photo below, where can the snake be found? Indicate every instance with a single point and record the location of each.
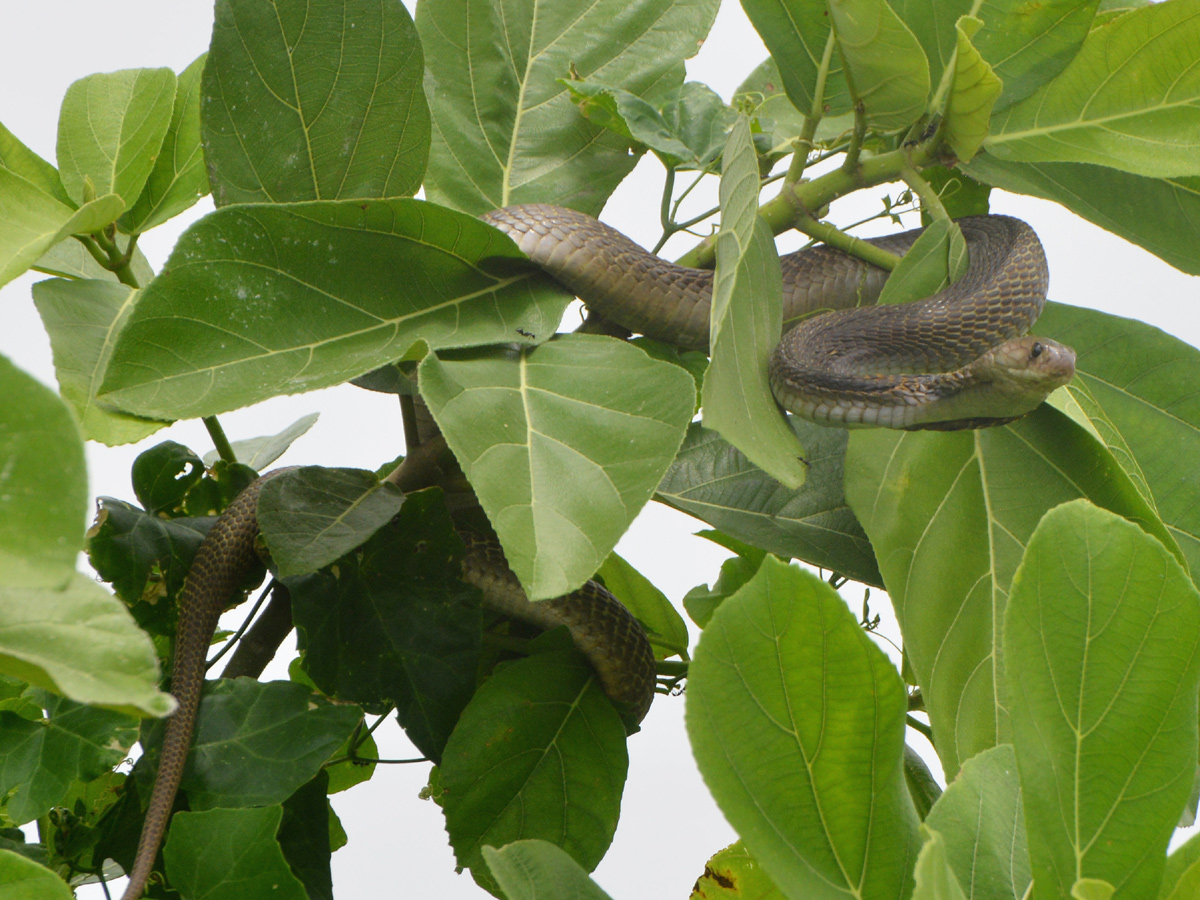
(959, 359)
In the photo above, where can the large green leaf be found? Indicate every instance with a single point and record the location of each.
(746, 323)
(257, 301)
(797, 723)
(504, 127)
(110, 662)
(40, 759)
(538, 870)
(1181, 877)
(538, 753)
(257, 743)
(563, 444)
(886, 69)
(981, 821)
(1130, 99)
(313, 101)
(304, 836)
(1160, 214)
(110, 131)
(230, 854)
(949, 516)
(1106, 626)
(796, 32)
(1141, 380)
(23, 879)
(1027, 44)
(44, 502)
(83, 319)
(713, 481)
(32, 221)
(178, 178)
(392, 626)
(310, 517)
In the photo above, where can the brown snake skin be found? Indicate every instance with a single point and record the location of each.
(601, 627)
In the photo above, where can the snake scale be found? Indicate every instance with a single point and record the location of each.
(956, 360)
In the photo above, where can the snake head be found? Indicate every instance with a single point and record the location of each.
(1032, 366)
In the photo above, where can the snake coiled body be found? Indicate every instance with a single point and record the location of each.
(954, 360)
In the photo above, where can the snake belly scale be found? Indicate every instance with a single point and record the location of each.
(955, 360)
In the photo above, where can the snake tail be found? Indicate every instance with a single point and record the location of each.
(222, 561)
(612, 640)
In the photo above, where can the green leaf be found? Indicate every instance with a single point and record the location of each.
(664, 626)
(1107, 628)
(163, 475)
(972, 94)
(312, 516)
(746, 324)
(257, 743)
(44, 501)
(229, 854)
(1027, 44)
(23, 879)
(538, 753)
(257, 301)
(111, 661)
(1160, 214)
(83, 319)
(631, 117)
(796, 720)
(32, 221)
(1181, 878)
(313, 102)
(796, 31)
(260, 452)
(40, 759)
(886, 68)
(936, 258)
(733, 874)
(1092, 889)
(392, 624)
(178, 178)
(1140, 379)
(24, 163)
(949, 516)
(689, 132)
(702, 601)
(563, 444)
(538, 870)
(110, 130)
(1130, 100)
(304, 836)
(960, 194)
(127, 546)
(504, 130)
(934, 878)
(983, 826)
(713, 481)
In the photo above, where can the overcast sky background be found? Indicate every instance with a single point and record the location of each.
(398, 847)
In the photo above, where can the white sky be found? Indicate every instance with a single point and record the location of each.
(669, 825)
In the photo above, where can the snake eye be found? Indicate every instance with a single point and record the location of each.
(1036, 350)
